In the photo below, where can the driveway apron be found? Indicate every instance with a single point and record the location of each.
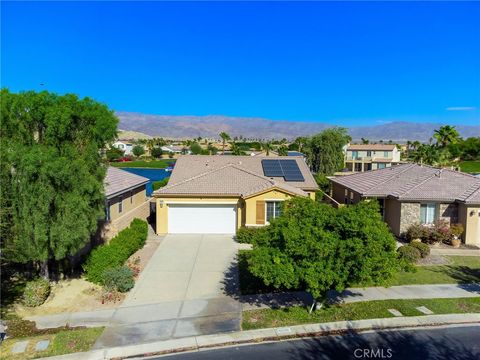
(189, 287)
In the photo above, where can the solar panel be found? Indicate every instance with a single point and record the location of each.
(288, 169)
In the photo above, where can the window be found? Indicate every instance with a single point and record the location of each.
(120, 204)
(354, 155)
(385, 154)
(381, 166)
(427, 213)
(107, 211)
(273, 209)
(369, 153)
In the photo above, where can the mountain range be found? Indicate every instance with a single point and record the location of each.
(209, 126)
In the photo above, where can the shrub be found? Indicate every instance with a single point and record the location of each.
(456, 229)
(158, 184)
(418, 231)
(120, 279)
(251, 235)
(409, 253)
(423, 248)
(440, 232)
(116, 252)
(36, 292)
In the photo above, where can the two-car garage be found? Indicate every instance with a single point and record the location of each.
(202, 218)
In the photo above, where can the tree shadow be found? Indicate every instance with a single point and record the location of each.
(418, 345)
(461, 273)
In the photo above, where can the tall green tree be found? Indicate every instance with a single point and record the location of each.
(225, 137)
(52, 173)
(138, 150)
(325, 150)
(317, 248)
(446, 135)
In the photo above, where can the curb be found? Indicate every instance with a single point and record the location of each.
(196, 343)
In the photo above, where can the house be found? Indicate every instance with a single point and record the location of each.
(411, 194)
(263, 153)
(220, 194)
(173, 149)
(126, 147)
(365, 157)
(126, 199)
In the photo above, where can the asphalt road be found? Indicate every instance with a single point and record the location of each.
(446, 343)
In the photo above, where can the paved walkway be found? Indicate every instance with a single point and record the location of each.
(364, 294)
(454, 252)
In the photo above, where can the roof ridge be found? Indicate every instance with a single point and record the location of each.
(254, 174)
(409, 166)
(197, 176)
(428, 177)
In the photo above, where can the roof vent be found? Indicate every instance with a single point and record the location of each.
(239, 163)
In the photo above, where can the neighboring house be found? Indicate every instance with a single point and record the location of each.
(415, 194)
(174, 149)
(365, 157)
(126, 147)
(126, 199)
(220, 194)
(263, 153)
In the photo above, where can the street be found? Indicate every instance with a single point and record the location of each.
(450, 343)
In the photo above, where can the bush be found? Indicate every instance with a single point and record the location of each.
(418, 231)
(116, 252)
(423, 248)
(158, 184)
(456, 229)
(409, 253)
(36, 292)
(120, 279)
(251, 235)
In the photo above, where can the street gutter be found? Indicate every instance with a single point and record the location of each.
(202, 342)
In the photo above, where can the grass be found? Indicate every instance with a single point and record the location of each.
(154, 164)
(463, 269)
(62, 342)
(259, 319)
(470, 166)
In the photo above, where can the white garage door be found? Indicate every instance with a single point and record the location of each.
(201, 219)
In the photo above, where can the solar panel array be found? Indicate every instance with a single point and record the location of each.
(288, 169)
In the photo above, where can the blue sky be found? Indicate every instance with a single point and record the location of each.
(341, 63)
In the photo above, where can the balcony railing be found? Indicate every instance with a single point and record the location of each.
(367, 158)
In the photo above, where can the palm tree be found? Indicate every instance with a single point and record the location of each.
(225, 137)
(267, 146)
(365, 141)
(446, 135)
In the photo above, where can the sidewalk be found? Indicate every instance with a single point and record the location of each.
(454, 252)
(197, 343)
(252, 302)
(153, 312)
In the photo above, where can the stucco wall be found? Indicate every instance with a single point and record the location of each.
(130, 200)
(112, 228)
(469, 216)
(251, 204)
(393, 215)
(338, 193)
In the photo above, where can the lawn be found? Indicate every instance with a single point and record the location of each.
(62, 342)
(470, 166)
(259, 319)
(463, 269)
(155, 164)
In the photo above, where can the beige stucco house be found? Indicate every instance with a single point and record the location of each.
(412, 193)
(126, 199)
(365, 157)
(220, 194)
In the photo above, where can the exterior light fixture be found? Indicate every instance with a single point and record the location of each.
(161, 203)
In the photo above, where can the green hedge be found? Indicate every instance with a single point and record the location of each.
(116, 252)
(36, 292)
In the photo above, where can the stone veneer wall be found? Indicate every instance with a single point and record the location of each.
(448, 212)
(114, 227)
(409, 214)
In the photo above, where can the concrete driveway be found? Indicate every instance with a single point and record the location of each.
(189, 287)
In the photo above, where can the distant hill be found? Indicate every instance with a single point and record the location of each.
(259, 128)
(127, 134)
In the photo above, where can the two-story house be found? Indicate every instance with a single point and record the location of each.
(365, 157)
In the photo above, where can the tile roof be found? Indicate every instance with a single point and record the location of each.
(191, 165)
(414, 182)
(373, 147)
(118, 181)
(229, 175)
